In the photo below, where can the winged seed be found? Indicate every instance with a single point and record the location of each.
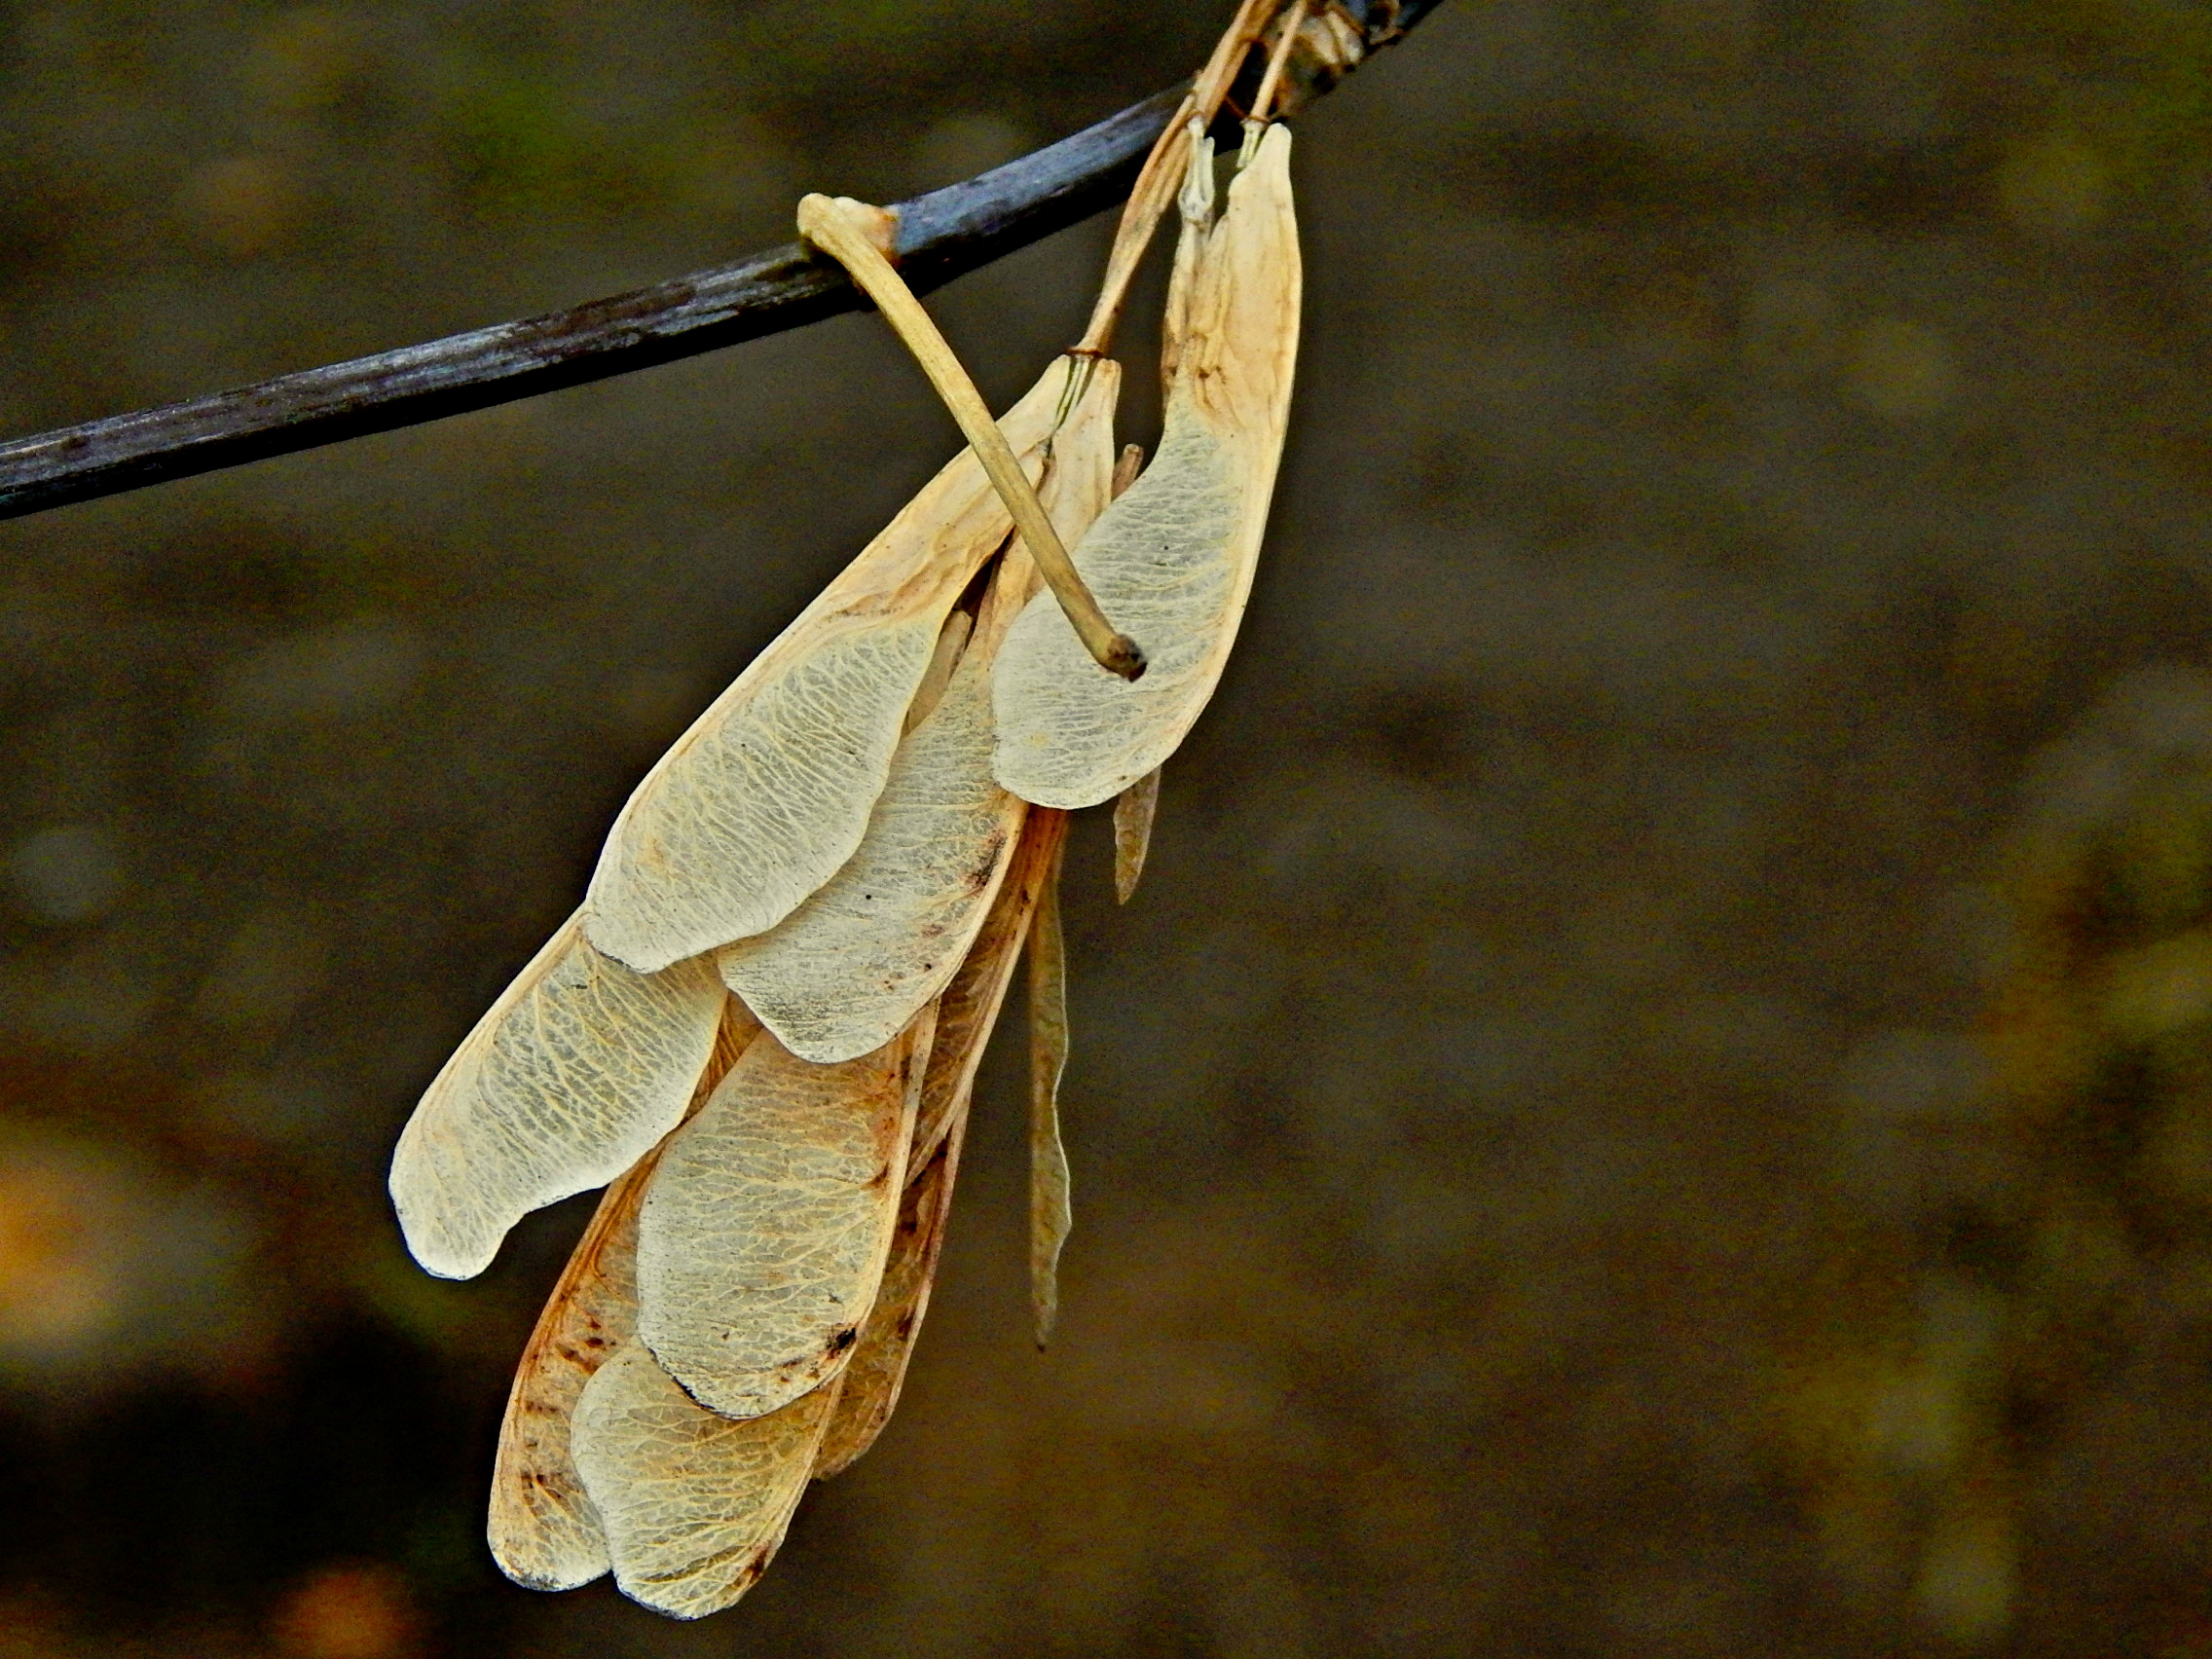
(578, 1068)
(694, 1505)
(765, 1227)
(1171, 560)
(770, 793)
(852, 965)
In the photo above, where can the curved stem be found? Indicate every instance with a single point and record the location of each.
(855, 235)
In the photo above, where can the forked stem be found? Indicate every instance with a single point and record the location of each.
(1164, 170)
(849, 232)
(1271, 83)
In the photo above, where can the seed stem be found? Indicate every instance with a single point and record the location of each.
(855, 235)
(1264, 99)
(1164, 170)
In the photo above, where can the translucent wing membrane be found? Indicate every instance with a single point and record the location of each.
(770, 791)
(766, 1225)
(887, 932)
(970, 1008)
(579, 1067)
(1172, 560)
(543, 1530)
(693, 1504)
(878, 1370)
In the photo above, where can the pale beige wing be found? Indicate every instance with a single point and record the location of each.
(766, 1224)
(543, 1528)
(965, 1017)
(969, 1007)
(574, 1075)
(877, 1371)
(693, 1504)
(887, 932)
(1172, 560)
(1134, 810)
(768, 794)
(1050, 1215)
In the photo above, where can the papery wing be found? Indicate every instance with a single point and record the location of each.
(693, 1504)
(770, 793)
(765, 1229)
(1172, 560)
(887, 932)
(574, 1075)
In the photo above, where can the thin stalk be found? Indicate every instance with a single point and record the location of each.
(1162, 173)
(854, 234)
(1264, 99)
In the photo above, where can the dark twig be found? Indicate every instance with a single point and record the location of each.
(942, 235)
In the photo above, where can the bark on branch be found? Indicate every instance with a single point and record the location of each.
(942, 235)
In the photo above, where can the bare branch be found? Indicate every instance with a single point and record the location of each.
(942, 235)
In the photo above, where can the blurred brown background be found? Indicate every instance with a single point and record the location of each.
(1657, 1098)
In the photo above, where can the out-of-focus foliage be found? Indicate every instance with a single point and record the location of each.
(1947, 1366)
(1649, 1101)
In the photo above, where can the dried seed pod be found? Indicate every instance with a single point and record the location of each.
(693, 1504)
(1050, 1215)
(543, 1528)
(770, 793)
(574, 1075)
(877, 1371)
(887, 932)
(1134, 810)
(1173, 561)
(970, 1008)
(765, 1227)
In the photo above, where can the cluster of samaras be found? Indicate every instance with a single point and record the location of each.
(763, 1025)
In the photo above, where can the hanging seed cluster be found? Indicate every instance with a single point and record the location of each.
(762, 1030)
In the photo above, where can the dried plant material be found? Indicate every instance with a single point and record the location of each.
(543, 1530)
(574, 1075)
(693, 1504)
(877, 1371)
(969, 1010)
(765, 1227)
(851, 233)
(1134, 809)
(1175, 556)
(1165, 169)
(951, 644)
(1050, 1216)
(1126, 466)
(854, 963)
(770, 793)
